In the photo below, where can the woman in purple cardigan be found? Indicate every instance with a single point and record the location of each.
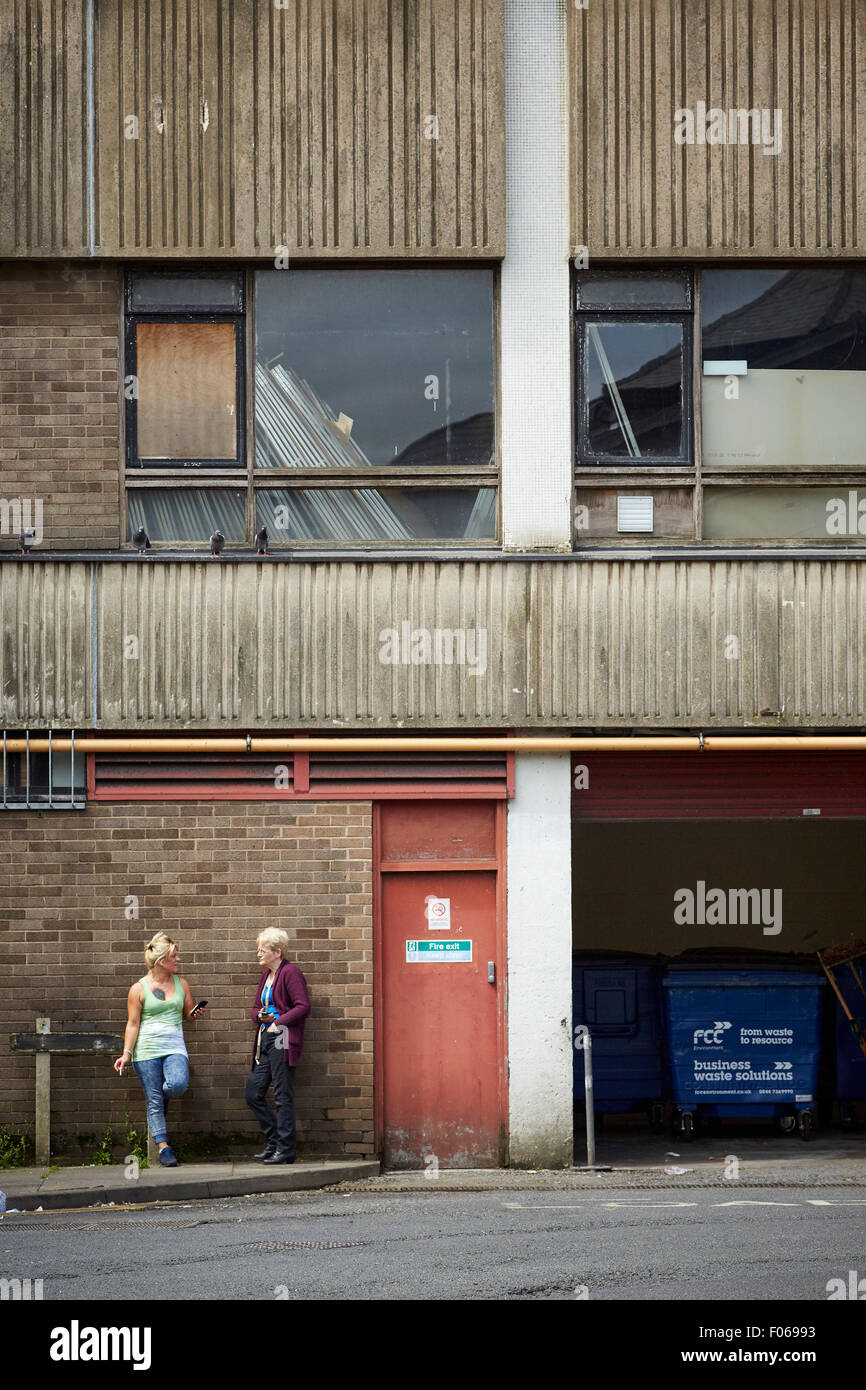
(282, 1004)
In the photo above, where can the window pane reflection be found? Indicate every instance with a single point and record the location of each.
(799, 400)
(360, 368)
(187, 514)
(373, 514)
(634, 389)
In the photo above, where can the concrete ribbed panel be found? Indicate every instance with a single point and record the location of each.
(668, 643)
(305, 127)
(45, 654)
(634, 189)
(44, 162)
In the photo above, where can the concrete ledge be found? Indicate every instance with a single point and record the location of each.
(30, 1188)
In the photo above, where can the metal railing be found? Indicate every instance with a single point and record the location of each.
(29, 779)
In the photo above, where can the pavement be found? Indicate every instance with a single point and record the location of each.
(29, 1189)
(624, 1159)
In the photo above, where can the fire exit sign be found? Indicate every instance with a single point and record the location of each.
(441, 952)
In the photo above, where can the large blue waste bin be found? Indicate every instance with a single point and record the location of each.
(619, 1001)
(744, 1043)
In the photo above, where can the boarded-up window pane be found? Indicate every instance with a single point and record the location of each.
(187, 391)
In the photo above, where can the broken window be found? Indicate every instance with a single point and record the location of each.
(633, 348)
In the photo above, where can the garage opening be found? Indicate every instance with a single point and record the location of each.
(704, 887)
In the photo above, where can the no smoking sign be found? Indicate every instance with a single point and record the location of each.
(438, 914)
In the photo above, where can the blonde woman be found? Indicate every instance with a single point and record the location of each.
(156, 1007)
(281, 1006)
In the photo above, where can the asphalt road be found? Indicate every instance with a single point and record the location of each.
(665, 1244)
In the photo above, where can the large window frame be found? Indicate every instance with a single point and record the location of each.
(169, 475)
(650, 314)
(653, 477)
(185, 314)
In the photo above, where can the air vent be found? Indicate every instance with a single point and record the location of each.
(634, 513)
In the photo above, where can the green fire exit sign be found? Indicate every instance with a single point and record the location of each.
(443, 952)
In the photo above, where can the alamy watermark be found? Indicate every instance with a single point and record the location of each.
(739, 126)
(21, 514)
(17, 1290)
(437, 646)
(733, 907)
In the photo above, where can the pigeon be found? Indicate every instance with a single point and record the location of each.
(262, 541)
(26, 541)
(141, 541)
(217, 541)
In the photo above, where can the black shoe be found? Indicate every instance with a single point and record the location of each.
(279, 1157)
(266, 1152)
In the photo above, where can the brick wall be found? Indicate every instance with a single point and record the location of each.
(59, 426)
(211, 874)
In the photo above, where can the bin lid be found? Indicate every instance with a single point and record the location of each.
(719, 977)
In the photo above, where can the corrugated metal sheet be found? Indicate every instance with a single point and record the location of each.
(718, 786)
(233, 127)
(613, 644)
(635, 62)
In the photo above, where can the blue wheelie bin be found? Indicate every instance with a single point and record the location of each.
(744, 1043)
(619, 1001)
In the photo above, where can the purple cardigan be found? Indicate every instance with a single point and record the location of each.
(291, 998)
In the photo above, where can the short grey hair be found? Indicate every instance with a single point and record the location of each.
(277, 939)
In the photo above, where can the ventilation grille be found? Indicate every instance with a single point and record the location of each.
(281, 776)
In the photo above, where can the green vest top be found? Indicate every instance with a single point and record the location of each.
(160, 1032)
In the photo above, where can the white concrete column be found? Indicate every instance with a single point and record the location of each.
(536, 342)
(539, 962)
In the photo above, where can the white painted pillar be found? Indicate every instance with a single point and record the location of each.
(536, 457)
(539, 962)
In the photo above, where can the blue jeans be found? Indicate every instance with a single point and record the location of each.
(161, 1077)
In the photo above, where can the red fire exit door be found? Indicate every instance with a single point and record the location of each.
(440, 988)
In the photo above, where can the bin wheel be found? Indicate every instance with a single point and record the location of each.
(687, 1126)
(788, 1124)
(807, 1124)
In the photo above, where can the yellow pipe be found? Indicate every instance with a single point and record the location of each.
(712, 743)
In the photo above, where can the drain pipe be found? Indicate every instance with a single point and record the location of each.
(246, 743)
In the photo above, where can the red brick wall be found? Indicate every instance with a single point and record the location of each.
(59, 425)
(211, 874)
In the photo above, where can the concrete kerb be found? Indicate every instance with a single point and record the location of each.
(27, 1189)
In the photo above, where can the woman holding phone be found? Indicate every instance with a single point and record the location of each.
(156, 1007)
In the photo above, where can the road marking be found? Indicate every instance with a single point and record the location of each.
(818, 1202)
(642, 1205)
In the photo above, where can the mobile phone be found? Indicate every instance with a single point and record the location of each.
(200, 1005)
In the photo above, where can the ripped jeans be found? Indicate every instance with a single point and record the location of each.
(161, 1078)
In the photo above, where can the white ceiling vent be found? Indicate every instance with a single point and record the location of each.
(634, 514)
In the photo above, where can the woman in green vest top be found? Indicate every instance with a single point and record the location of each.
(157, 1005)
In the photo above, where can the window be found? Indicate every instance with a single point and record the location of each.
(374, 405)
(794, 342)
(780, 362)
(184, 377)
(371, 406)
(49, 781)
(634, 355)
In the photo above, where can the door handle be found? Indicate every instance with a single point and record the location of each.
(491, 972)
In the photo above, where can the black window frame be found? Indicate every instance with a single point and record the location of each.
(186, 314)
(584, 457)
